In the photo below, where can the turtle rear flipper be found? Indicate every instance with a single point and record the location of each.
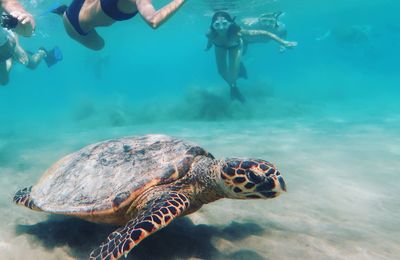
(23, 197)
(155, 215)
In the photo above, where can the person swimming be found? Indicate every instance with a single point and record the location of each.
(269, 22)
(229, 40)
(82, 17)
(11, 50)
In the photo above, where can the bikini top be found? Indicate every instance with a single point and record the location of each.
(111, 9)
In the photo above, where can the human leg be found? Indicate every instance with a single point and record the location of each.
(220, 58)
(36, 58)
(5, 67)
(91, 39)
(235, 56)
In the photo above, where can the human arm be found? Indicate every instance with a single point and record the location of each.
(26, 23)
(19, 53)
(155, 17)
(248, 34)
(209, 45)
(209, 42)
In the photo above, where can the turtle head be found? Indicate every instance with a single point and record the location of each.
(251, 179)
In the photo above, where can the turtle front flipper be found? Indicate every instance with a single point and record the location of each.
(155, 215)
(23, 197)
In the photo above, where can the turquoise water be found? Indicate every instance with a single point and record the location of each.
(327, 113)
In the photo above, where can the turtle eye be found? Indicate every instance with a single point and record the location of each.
(254, 177)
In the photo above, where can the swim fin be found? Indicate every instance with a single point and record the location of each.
(53, 56)
(235, 94)
(242, 71)
(60, 10)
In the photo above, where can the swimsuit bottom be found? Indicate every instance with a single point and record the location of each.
(109, 7)
(231, 47)
(6, 51)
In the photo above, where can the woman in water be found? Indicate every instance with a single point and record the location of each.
(83, 16)
(269, 22)
(229, 40)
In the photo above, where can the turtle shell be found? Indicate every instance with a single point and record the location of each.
(107, 176)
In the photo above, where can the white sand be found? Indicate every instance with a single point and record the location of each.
(342, 200)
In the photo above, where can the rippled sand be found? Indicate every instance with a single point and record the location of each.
(342, 200)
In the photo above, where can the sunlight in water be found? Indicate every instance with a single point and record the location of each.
(325, 112)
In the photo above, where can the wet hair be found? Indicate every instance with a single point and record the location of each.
(233, 29)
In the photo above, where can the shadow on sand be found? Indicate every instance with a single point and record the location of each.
(180, 240)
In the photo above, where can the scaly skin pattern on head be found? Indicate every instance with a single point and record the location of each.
(208, 180)
(251, 179)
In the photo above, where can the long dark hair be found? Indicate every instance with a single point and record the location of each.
(233, 29)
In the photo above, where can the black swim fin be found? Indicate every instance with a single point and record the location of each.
(53, 56)
(242, 71)
(235, 94)
(60, 10)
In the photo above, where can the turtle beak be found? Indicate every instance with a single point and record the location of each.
(282, 183)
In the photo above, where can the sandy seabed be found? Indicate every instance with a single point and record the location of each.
(342, 200)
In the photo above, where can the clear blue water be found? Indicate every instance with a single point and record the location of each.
(327, 113)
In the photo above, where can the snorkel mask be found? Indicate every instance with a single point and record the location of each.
(221, 23)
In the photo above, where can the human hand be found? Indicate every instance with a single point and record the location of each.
(26, 23)
(288, 44)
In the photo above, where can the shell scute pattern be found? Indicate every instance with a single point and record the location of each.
(102, 176)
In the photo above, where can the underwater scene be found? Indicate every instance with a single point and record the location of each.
(311, 87)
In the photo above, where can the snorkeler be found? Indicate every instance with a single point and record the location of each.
(269, 22)
(17, 17)
(11, 50)
(82, 17)
(229, 40)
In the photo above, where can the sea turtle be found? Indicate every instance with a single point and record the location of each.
(143, 183)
